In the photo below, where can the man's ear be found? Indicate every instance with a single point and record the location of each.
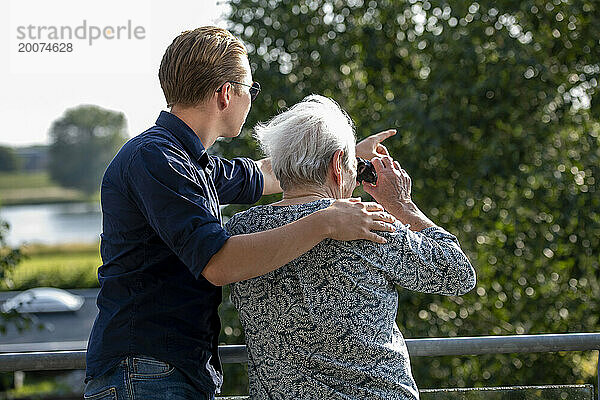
(224, 96)
(337, 166)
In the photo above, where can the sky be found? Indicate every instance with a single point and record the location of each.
(113, 62)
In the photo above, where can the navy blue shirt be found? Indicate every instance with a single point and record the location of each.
(161, 225)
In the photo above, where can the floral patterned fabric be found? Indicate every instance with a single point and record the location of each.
(324, 325)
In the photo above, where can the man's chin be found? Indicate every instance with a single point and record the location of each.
(231, 134)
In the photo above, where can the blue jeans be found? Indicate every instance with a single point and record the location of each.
(141, 377)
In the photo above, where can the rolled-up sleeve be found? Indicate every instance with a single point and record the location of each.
(238, 181)
(175, 205)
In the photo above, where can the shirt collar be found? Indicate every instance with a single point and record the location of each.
(186, 136)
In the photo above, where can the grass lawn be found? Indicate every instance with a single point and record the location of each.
(34, 188)
(65, 266)
(21, 180)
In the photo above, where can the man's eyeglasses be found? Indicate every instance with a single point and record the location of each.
(254, 88)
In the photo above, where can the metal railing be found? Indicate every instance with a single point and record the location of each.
(427, 347)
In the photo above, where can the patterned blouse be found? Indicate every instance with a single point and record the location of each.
(324, 325)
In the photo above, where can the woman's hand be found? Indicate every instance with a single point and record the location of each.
(393, 186)
(393, 190)
(372, 147)
(352, 219)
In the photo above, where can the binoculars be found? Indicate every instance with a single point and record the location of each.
(365, 171)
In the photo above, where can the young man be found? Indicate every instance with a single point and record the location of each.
(165, 253)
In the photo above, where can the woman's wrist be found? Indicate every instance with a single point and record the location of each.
(409, 213)
(400, 209)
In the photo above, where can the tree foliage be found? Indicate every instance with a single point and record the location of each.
(84, 140)
(9, 258)
(497, 114)
(9, 161)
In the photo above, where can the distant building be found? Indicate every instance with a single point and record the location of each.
(33, 158)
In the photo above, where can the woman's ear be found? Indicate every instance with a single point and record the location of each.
(337, 166)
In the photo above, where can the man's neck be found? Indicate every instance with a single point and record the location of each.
(201, 121)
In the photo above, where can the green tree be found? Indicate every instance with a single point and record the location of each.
(497, 114)
(83, 141)
(9, 258)
(9, 161)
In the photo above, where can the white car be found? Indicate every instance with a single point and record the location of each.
(43, 300)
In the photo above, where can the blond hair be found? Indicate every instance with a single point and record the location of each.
(197, 64)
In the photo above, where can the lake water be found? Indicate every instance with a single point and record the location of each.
(53, 223)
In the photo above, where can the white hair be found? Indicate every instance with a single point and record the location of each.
(301, 141)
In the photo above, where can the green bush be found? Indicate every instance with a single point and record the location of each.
(63, 266)
(497, 111)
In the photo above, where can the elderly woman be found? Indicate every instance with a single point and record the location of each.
(324, 325)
